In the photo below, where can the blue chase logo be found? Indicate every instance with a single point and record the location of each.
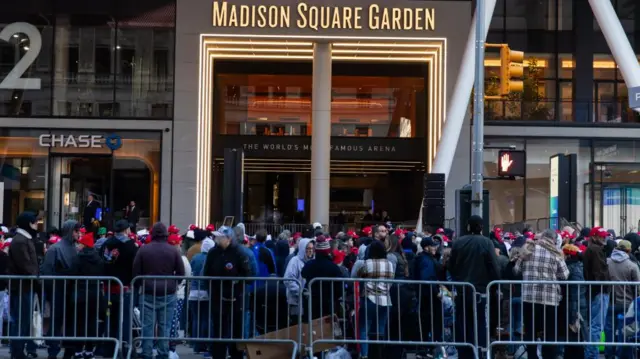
(113, 141)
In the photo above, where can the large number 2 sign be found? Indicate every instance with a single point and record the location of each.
(14, 80)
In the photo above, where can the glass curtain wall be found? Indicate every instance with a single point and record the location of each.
(103, 59)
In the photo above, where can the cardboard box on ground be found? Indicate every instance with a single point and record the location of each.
(322, 328)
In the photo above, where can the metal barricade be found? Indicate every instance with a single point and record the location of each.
(574, 315)
(415, 315)
(74, 310)
(235, 313)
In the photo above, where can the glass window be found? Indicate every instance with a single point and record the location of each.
(84, 59)
(539, 153)
(531, 15)
(22, 173)
(565, 15)
(367, 101)
(28, 92)
(144, 57)
(506, 198)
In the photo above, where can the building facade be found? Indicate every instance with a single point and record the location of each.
(138, 101)
(86, 107)
(575, 102)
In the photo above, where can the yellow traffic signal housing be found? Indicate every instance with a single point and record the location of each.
(511, 71)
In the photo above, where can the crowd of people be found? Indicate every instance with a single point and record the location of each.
(385, 284)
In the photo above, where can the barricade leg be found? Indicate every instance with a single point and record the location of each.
(21, 308)
(598, 314)
(610, 351)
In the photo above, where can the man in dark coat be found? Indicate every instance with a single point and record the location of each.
(133, 215)
(23, 261)
(89, 213)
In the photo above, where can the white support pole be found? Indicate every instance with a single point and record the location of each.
(321, 133)
(618, 41)
(459, 103)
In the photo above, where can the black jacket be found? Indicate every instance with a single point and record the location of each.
(89, 265)
(89, 213)
(229, 262)
(118, 254)
(328, 291)
(473, 260)
(596, 268)
(23, 261)
(133, 214)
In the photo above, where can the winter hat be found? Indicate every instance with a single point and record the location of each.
(585, 232)
(427, 242)
(25, 219)
(102, 231)
(207, 244)
(338, 256)
(199, 235)
(159, 232)
(174, 239)
(322, 245)
(87, 240)
(519, 242)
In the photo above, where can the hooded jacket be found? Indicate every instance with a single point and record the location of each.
(158, 258)
(622, 269)
(293, 273)
(90, 264)
(22, 253)
(281, 254)
(62, 257)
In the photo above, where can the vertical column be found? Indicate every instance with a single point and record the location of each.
(321, 134)
(61, 69)
(583, 58)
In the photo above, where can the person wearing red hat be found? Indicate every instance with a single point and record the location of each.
(175, 240)
(88, 300)
(596, 270)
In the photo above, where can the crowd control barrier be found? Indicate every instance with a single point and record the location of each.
(220, 314)
(577, 317)
(66, 312)
(417, 317)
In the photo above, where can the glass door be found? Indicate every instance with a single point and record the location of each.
(80, 190)
(606, 104)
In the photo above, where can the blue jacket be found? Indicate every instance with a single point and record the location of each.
(197, 264)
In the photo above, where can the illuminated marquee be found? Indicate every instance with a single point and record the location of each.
(305, 16)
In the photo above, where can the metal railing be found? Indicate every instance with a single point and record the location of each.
(343, 312)
(73, 309)
(229, 313)
(256, 315)
(570, 314)
(560, 111)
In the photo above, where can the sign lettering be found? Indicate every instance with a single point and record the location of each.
(112, 141)
(305, 16)
(14, 80)
(634, 98)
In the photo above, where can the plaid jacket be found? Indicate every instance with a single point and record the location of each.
(377, 292)
(542, 266)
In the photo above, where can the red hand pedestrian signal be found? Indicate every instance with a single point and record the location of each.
(505, 162)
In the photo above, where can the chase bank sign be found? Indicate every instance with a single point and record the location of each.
(112, 141)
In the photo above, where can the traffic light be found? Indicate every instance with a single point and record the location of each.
(511, 71)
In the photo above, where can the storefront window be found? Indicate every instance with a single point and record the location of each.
(22, 174)
(375, 101)
(539, 153)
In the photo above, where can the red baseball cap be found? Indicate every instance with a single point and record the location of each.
(353, 234)
(367, 231)
(173, 229)
(598, 232)
(174, 239)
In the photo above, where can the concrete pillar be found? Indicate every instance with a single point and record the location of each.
(321, 134)
(583, 58)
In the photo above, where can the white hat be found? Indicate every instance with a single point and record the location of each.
(190, 235)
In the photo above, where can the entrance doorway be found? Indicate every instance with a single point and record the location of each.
(72, 181)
